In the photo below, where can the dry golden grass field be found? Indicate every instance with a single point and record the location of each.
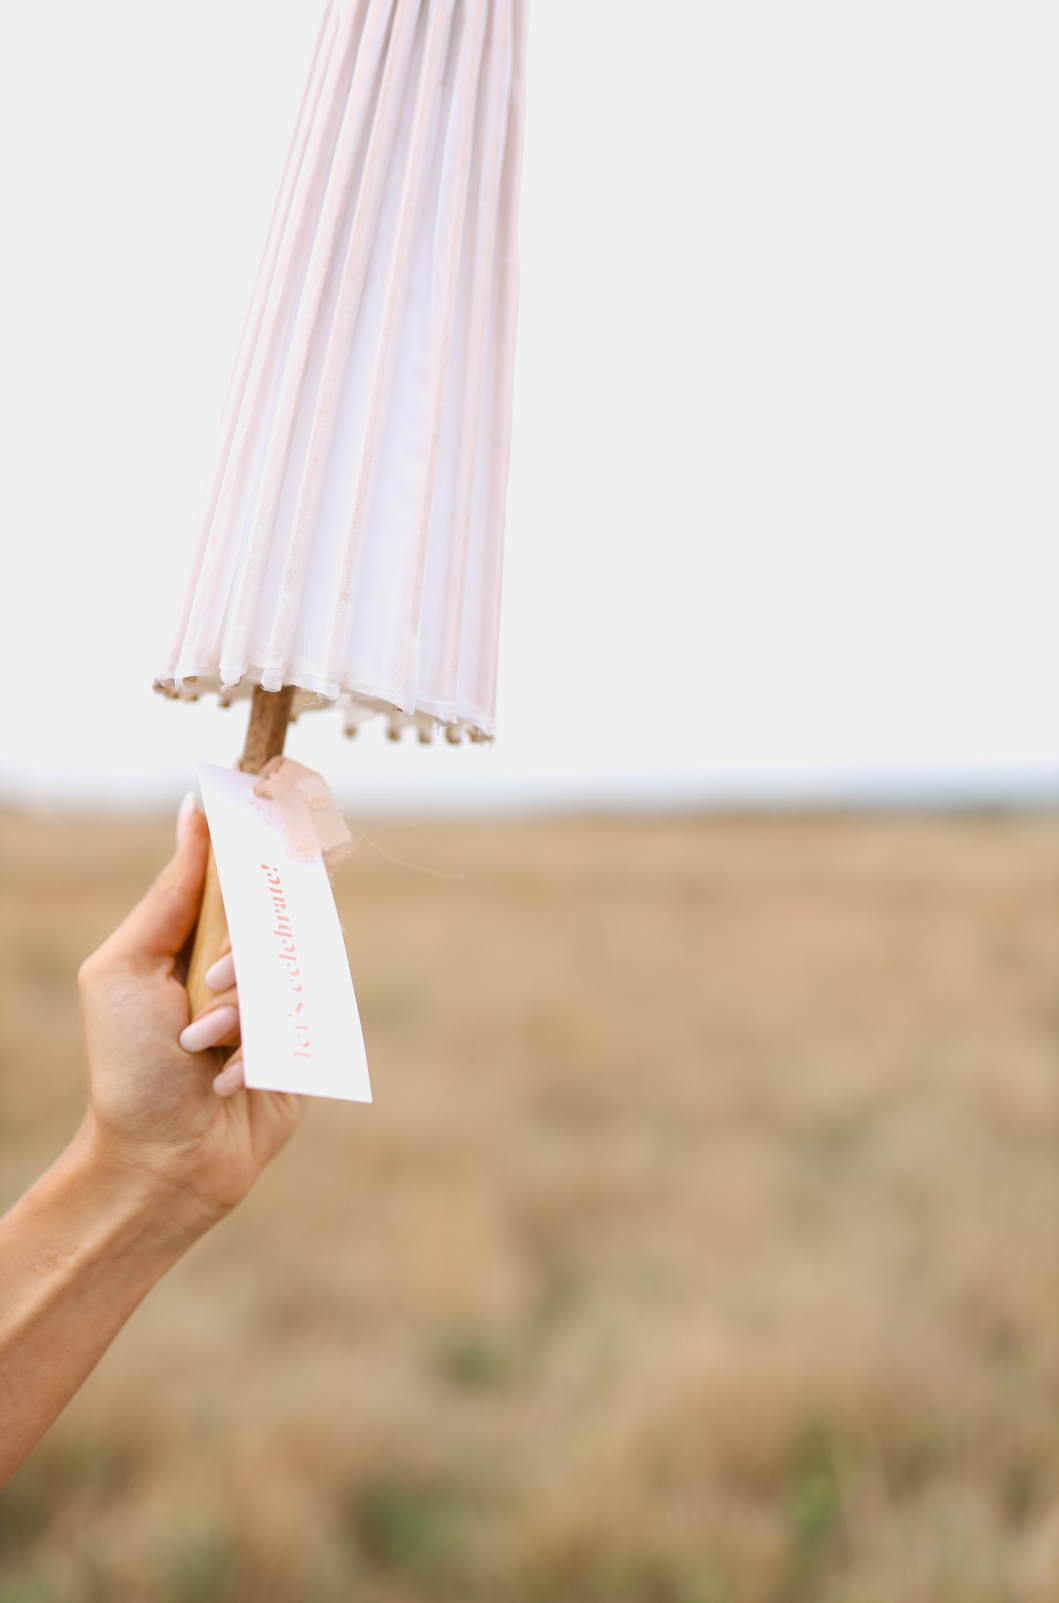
(701, 1246)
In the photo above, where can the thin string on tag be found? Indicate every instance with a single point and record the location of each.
(302, 806)
(420, 868)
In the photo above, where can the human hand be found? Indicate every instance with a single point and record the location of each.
(216, 1024)
(152, 1102)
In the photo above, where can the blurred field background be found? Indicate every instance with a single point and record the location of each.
(701, 1246)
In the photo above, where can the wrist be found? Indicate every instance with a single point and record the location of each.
(140, 1198)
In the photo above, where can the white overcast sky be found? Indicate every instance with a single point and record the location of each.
(783, 507)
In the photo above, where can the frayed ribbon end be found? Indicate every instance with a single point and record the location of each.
(302, 806)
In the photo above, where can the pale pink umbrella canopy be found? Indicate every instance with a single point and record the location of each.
(353, 535)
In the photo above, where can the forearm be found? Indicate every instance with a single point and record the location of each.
(77, 1254)
(90, 1239)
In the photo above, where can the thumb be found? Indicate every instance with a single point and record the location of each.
(159, 925)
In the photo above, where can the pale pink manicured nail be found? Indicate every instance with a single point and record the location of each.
(188, 806)
(230, 1077)
(222, 975)
(210, 1030)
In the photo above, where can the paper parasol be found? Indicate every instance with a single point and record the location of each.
(351, 546)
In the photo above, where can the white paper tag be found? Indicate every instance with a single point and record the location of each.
(298, 1013)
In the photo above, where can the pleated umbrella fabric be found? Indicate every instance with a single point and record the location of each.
(353, 533)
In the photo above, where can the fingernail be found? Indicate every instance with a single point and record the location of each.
(222, 975)
(230, 1078)
(210, 1030)
(188, 806)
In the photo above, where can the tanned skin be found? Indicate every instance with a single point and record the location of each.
(159, 1158)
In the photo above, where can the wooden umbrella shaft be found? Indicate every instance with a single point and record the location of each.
(267, 729)
(265, 735)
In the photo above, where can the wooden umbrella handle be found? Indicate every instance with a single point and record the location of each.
(265, 735)
(209, 936)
